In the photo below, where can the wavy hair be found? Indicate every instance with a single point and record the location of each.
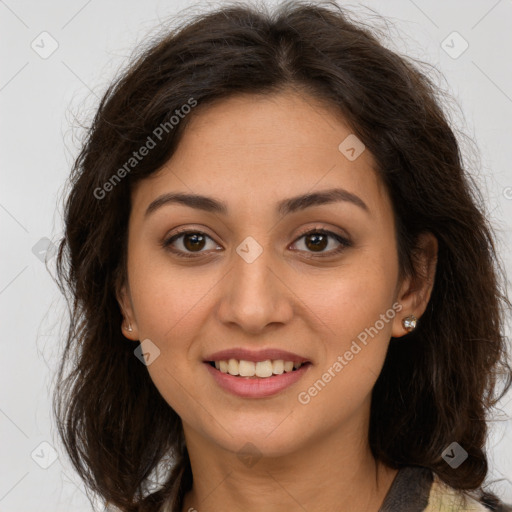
(435, 389)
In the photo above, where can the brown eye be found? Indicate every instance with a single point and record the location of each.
(317, 240)
(193, 241)
(187, 244)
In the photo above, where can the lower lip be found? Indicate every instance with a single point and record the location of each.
(256, 387)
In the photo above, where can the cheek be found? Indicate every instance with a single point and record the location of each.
(166, 297)
(357, 306)
(170, 305)
(355, 297)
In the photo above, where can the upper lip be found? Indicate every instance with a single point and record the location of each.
(255, 355)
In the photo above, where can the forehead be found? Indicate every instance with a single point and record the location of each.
(250, 149)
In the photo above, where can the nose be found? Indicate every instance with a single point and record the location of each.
(255, 293)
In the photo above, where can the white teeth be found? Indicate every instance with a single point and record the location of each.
(264, 368)
(246, 369)
(278, 366)
(233, 367)
(261, 369)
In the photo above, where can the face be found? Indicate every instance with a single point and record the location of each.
(311, 278)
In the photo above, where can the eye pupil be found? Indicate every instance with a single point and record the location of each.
(196, 237)
(317, 244)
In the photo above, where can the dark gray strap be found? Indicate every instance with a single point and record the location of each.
(409, 491)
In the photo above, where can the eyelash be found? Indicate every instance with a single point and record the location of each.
(344, 243)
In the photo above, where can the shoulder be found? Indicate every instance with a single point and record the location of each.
(418, 489)
(443, 498)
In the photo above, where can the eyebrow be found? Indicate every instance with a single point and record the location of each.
(284, 207)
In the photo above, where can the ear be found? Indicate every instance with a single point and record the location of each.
(125, 303)
(415, 291)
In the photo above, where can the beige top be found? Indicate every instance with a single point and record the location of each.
(446, 499)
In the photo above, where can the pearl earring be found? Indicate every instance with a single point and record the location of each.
(409, 323)
(129, 328)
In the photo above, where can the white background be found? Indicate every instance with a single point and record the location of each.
(40, 136)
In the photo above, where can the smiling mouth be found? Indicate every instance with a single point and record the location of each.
(260, 370)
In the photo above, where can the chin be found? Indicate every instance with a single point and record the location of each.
(260, 441)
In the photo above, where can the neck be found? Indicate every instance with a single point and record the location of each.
(336, 472)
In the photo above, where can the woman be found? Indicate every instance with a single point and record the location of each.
(285, 290)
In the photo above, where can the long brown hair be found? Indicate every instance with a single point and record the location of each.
(435, 389)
